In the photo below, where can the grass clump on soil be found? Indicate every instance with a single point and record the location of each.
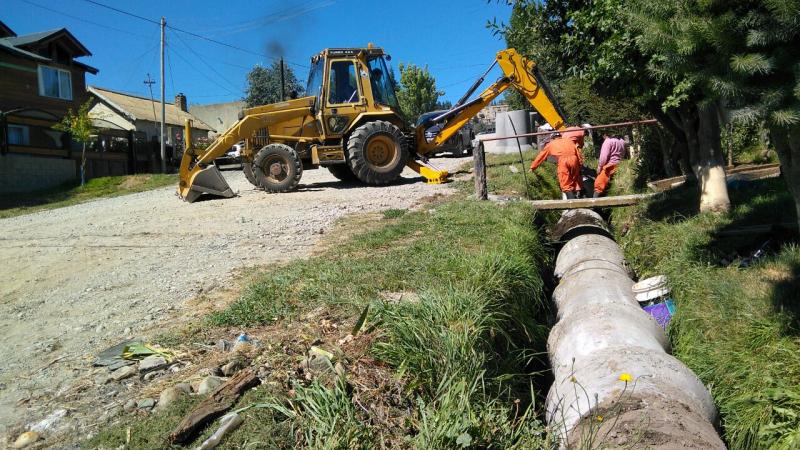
(448, 357)
(71, 194)
(737, 328)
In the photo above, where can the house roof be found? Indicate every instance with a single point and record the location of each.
(5, 30)
(134, 107)
(26, 45)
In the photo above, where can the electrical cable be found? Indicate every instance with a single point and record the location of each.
(80, 19)
(192, 66)
(205, 62)
(191, 33)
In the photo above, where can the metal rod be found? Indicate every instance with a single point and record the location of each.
(283, 82)
(474, 86)
(593, 127)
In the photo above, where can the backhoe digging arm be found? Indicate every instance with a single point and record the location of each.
(518, 72)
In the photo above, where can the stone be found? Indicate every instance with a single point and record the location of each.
(130, 405)
(150, 376)
(185, 387)
(232, 367)
(209, 384)
(169, 396)
(123, 373)
(145, 403)
(152, 362)
(25, 439)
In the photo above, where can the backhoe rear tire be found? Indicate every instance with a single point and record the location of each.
(277, 168)
(247, 168)
(342, 172)
(377, 152)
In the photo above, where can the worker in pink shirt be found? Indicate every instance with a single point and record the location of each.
(611, 153)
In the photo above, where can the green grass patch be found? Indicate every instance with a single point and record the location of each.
(393, 213)
(70, 194)
(737, 328)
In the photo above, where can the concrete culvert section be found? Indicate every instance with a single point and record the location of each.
(615, 385)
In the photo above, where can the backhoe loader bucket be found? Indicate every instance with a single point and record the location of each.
(206, 181)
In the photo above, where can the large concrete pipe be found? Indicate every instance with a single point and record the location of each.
(615, 384)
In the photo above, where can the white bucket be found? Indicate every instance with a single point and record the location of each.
(651, 288)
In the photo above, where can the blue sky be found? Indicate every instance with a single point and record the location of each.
(449, 36)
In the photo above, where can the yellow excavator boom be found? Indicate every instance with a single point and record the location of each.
(518, 72)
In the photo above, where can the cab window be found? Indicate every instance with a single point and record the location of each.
(343, 86)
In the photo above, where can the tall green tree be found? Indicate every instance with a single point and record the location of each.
(80, 128)
(417, 93)
(264, 84)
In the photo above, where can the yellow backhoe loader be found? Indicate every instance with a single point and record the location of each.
(350, 123)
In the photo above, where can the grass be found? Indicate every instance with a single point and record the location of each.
(70, 194)
(452, 347)
(737, 328)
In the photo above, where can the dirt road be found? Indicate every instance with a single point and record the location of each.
(81, 278)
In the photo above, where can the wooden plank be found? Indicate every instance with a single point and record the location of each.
(221, 400)
(602, 202)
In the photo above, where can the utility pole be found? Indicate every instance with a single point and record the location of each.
(150, 82)
(163, 107)
(283, 83)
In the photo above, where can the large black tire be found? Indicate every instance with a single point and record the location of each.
(277, 168)
(247, 168)
(377, 152)
(342, 172)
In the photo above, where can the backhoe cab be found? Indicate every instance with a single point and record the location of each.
(349, 122)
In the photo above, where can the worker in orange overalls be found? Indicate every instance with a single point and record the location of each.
(567, 150)
(611, 153)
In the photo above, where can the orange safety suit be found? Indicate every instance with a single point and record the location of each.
(604, 178)
(570, 160)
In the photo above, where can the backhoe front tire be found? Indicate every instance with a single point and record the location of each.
(277, 168)
(342, 172)
(377, 152)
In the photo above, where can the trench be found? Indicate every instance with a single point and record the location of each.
(612, 382)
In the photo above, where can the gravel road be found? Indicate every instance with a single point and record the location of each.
(82, 278)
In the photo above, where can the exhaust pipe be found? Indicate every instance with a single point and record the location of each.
(195, 180)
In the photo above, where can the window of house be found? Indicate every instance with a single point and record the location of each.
(18, 135)
(55, 83)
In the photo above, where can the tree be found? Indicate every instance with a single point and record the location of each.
(592, 41)
(80, 128)
(264, 84)
(417, 92)
(446, 104)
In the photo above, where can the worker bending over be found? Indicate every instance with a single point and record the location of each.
(611, 153)
(567, 150)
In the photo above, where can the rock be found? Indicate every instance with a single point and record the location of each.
(152, 362)
(129, 405)
(169, 396)
(185, 387)
(513, 169)
(123, 373)
(145, 403)
(25, 439)
(209, 384)
(150, 376)
(339, 369)
(232, 367)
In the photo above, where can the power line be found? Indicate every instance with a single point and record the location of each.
(124, 12)
(80, 19)
(205, 62)
(204, 73)
(190, 33)
(169, 64)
